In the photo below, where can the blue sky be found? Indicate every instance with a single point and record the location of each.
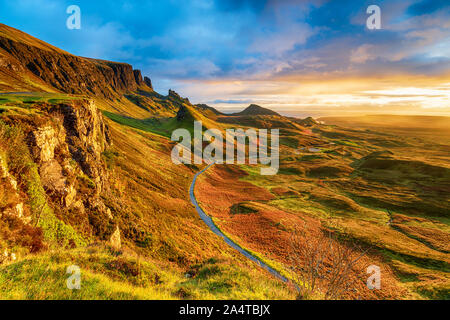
(291, 55)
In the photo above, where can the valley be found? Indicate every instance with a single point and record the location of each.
(87, 179)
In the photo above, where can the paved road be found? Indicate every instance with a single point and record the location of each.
(207, 219)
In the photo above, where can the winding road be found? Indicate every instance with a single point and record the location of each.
(209, 222)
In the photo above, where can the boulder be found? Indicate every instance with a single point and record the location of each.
(115, 239)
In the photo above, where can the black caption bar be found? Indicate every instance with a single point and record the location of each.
(217, 309)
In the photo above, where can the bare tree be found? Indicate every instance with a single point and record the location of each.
(322, 266)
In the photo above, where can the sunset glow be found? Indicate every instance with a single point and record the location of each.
(300, 56)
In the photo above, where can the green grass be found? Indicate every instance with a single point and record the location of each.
(425, 263)
(55, 231)
(35, 97)
(289, 142)
(346, 143)
(163, 127)
(301, 205)
(106, 275)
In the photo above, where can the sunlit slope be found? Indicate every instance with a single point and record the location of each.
(385, 189)
(184, 119)
(167, 251)
(109, 275)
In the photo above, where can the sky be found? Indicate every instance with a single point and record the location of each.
(299, 57)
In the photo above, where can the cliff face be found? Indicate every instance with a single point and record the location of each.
(29, 65)
(24, 58)
(62, 155)
(76, 132)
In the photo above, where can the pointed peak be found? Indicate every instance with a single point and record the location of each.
(308, 122)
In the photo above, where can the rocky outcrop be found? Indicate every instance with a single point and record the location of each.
(148, 82)
(87, 136)
(11, 202)
(307, 122)
(115, 240)
(138, 77)
(205, 107)
(67, 149)
(176, 99)
(45, 141)
(181, 114)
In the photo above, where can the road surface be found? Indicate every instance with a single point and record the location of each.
(209, 222)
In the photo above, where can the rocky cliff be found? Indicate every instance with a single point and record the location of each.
(52, 171)
(28, 64)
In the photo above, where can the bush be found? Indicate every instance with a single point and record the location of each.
(23, 235)
(125, 267)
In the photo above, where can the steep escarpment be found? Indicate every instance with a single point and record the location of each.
(28, 64)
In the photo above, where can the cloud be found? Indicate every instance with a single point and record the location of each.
(255, 50)
(110, 41)
(181, 68)
(362, 54)
(275, 43)
(218, 101)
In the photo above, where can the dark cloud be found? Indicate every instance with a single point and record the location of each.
(428, 6)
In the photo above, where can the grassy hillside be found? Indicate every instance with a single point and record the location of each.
(386, 191)
(109, 275)
(167, 252)
(86, 179)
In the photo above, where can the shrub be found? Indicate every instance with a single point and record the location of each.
(125, 267)
(323, 266)
(23, 235)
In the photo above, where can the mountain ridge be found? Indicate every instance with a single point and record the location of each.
(29, 64)
(255, 110)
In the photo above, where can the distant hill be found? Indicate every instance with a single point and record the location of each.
(255, 110)
(205, 107)
(186, 116)
(307, 122)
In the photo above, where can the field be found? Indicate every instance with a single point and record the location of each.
(167, 252)
(385, 190)
(87, 179)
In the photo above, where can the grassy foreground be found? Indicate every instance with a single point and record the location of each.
(107, 274)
